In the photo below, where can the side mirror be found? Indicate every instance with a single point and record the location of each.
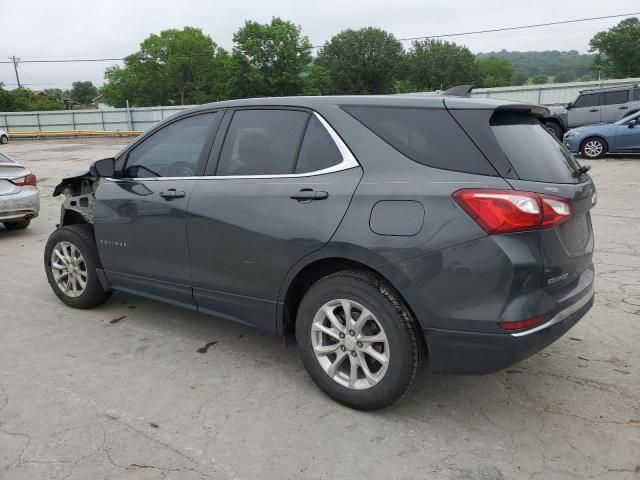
(104, 168)
(632, 123)
(569, 105)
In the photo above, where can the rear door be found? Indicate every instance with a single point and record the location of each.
(278, 184)
(614, 105)
(585, 110)
(545, 166)
(627, 136)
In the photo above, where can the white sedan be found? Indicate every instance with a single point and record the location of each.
(19, 196)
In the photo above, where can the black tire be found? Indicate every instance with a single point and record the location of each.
(17, 225)
(406, 342)
(4, 139)
(555, 129)
(588, 146)
(80, 236)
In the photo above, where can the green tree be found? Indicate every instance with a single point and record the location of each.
(540, 79)
(438, 65)
(494, 72)
(364, 61)
(317, 81)
(565, 76)
(269, 59)
(618, 49)
(175, 67)
(83, 92)
(23, 100)
(520, 78)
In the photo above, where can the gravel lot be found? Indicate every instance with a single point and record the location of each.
(138, 389)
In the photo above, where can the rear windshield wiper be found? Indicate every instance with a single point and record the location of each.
(582, 170)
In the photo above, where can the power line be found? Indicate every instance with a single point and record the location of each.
(444, 35)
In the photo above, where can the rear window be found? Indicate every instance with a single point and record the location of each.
(532, 150)
(427, 136)
(614, 98)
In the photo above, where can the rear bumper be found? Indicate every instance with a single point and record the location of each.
(20, 206)
(460, 352)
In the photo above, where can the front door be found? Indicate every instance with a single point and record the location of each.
(283, 182)
(140, 216)
(585, 110)
(628, 135)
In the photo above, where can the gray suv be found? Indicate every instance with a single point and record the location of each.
(383, 234)
(603, 105)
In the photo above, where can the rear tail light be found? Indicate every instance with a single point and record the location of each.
(505, 211)
(24, 181)
(522, 324)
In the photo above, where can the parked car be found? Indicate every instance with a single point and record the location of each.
(596, 141)
(602, 105)
(19, 196)
(4, 137)
(382, 233)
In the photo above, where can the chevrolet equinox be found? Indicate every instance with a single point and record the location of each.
(383, 233)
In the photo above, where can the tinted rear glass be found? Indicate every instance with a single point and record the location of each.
(532, 150)
(318, 150)
(427, 136)
(614, 98)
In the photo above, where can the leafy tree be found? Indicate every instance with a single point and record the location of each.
(176, 67)
(519, 78)
(317, 81)
(618, 49)
(6, 105)
(23, 100)
(56, 92)
(269, 59)
(565, 76)
(438, 65)
(540, 79)
(83, 92)
(403, 86)
(494, 72)
(550, 62)
(364, 61)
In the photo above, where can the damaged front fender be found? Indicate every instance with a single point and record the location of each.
(79, 190)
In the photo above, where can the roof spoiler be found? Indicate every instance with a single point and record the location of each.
(459, 91)
(533, 110)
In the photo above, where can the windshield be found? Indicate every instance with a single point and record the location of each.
(624, 120)
(533, 151)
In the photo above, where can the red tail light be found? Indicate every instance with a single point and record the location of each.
(24, 181)
(504, 211)
(522, 324)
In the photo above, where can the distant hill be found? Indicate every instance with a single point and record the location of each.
(556, 65)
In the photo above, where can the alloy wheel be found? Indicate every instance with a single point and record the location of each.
(350, 344)
(593, 148)
(69, 269)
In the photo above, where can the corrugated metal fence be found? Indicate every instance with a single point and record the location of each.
(550, 94)
(116, 119)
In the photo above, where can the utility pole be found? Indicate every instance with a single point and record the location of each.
(15, 67)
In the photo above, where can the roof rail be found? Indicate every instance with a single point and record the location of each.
(612, 87)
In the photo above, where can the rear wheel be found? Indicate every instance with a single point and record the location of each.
(4, 139)
(70, 260)
(593, 148)
(358, 342)
(555, 129)
(17, 225)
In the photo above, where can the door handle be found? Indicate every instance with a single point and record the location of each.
(593, 110)
(623, 108)
(172, 193)
(308, 194)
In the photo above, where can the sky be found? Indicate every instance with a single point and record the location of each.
(65, 29)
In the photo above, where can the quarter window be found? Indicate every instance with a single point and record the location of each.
(636, 94)
(614, 98)
(173, 151)
(262, 142)
(587, 100)
(318, 150)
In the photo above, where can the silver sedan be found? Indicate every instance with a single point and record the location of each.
(19, 196)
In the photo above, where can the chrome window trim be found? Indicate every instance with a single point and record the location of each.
(348, 162)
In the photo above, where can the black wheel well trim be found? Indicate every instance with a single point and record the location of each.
(299, 283)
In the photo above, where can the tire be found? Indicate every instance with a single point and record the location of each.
(4, 139)
(594, 148)
(79, 237)
(403, 347)
(17, 225)
(555, 129)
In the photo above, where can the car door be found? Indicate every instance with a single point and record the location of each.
(614, 105)
(140, 217)
(628, 135)
(283, 181)
(585, 110)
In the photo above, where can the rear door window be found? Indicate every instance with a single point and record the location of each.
(427, 136)
(532, 150)
(614, 98)
(262, 142)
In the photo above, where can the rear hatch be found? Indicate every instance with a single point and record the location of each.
(541, 164)
(9, 170)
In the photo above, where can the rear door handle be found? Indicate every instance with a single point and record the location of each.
(172, 193)
(593, 110)
(308, 194)
(623, 108)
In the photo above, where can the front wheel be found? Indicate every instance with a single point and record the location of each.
(358, 341)
(70, 261)
(593, 148)
(4, 139)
